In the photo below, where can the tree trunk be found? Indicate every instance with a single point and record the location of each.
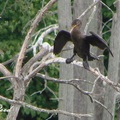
(80, 100)
(71, 99)
(19, 92)
(114, 66)
(95, 26)
(66, 71)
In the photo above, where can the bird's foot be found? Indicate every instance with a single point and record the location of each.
(86, 65)
(69, 60)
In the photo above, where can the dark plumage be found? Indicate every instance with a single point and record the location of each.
(81, 43)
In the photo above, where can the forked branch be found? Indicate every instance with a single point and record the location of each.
(29, 35)
(44, 110)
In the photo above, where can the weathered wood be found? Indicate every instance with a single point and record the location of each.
(18, 82)
(95, 25)
(70, 98)
(34, 24)
(66, 71)
(81, 101)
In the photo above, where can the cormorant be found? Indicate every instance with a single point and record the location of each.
(81, 43)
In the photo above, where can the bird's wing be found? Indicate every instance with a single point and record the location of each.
(96, 40)
(61, 39)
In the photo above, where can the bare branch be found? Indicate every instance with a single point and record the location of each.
(42, 65)
(39, 31)
(107, 7)
(62, 81)
(90, 18)
(8, 77)
(41, 91)
(5, 71)
(15, 58)
(41, 37)
(95, 72)
(44, 110)
(88, 9)
(93, 87)
(96, 101)
(29, 35)
(105, 25)
(73, 82)
(37, 57)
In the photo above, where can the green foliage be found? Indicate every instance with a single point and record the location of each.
(2, 116)
(7, 93)
(42, 98)
(109, 2)
(9, 49)
(17, 15)
(107, 15)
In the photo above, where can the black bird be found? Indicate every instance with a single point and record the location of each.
(81, 43)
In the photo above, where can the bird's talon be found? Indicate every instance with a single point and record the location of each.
(68, 60)
(86, 66)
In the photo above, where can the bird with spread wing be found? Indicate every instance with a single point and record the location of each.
(81, 43)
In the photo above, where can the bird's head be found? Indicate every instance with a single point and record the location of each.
(76, 24)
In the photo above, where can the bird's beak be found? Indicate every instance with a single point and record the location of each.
(72, 28)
